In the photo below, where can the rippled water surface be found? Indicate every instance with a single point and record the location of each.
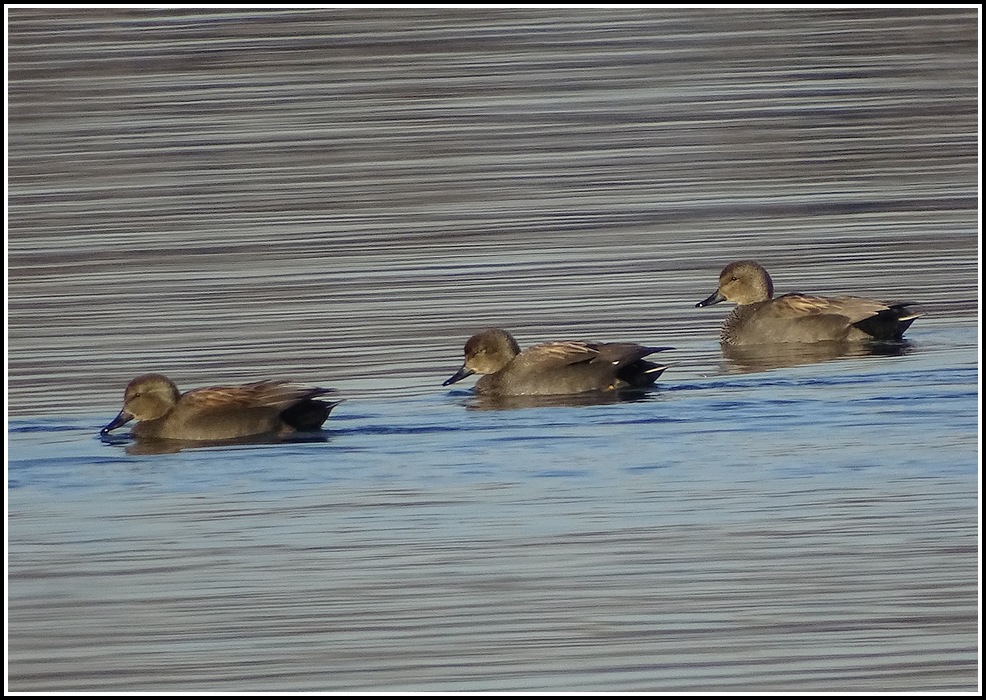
(342, 197)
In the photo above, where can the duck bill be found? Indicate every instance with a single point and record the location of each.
(713, 298)
(461, 374)
(122, 419)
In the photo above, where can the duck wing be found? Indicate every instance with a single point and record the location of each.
(268, 393)
(853, 309)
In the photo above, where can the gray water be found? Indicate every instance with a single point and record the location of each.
(341, 197)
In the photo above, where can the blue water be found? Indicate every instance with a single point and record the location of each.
(886, 413)
(811, 527)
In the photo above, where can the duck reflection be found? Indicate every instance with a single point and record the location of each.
(481, 402)
(156, 446)
(759, 358)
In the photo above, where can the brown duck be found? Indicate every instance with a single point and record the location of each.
(267, 408)
(564, 367)
(759, 318)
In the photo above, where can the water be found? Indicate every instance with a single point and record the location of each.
(342, 198)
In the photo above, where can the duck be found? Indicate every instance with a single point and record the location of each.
(760, 318)
(554, 368)
(216, 413)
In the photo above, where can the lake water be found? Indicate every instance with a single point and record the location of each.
(342, 197)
